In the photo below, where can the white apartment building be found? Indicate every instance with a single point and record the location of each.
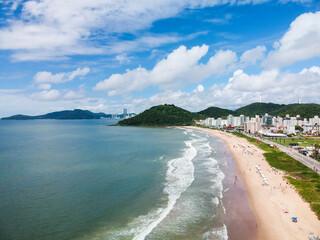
(255, 124)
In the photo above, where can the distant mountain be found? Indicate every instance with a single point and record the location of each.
(215, 112)
(170, 115)
(308, 110)
(258, 109)
(162, 115)
(67, 114)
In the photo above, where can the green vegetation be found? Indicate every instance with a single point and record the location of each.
(68, 114)
(306, 181)
(162, 115)
(298, 128)
(316, 152)
(304, 142)
(215, 112)
(304, 110)
(258, 109)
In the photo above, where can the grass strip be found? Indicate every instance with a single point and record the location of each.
(306, 181)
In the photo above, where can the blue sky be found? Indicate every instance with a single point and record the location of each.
(108, 55)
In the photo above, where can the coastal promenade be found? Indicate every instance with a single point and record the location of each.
(307, 161)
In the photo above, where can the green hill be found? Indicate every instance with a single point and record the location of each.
(304, 110)
(258, 109)
(170, 115)
(308, 110)
(67, 114)
(215, 112)
(162, 115)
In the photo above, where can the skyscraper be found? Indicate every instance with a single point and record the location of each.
(125, 113)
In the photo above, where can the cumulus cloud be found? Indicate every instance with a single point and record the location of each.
(48, 77)
(260, 82)
(73, 95)
(300, 42)
(44, 86)
(180, 67)
(275, 86)
(271, 85)
(46, 95)
(199, 88)
(53, 29)
(55, 95)
(274, 82)
(250, 57)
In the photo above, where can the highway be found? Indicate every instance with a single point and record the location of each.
(308, 161)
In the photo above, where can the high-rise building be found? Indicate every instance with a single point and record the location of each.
(230, 120)
(242, 119)
(125, 113)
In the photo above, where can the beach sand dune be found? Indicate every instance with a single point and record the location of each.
(274, 204)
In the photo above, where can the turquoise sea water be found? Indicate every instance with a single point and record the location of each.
(81, 179)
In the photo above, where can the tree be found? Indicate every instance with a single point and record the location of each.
(298, 128)
(316, 151)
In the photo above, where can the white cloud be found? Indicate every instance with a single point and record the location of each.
(17, 101)
(44, 86)
(313, 69)
(50, 95)
(48, 77)
(72, 95)
(179, 68)
(94, 108)
(199, 88)
(123, 58)
(250, 57)
(224, 20)
(53, 29)
(278, 87)
(147, 42)
(261, 82)
(57, 95)
(271, 85)
(78, 72)
(300, 42)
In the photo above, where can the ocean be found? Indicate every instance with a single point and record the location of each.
(85, 179)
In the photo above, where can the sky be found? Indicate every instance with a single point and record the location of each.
(107, 55)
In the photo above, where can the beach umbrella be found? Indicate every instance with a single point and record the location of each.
(294, 219)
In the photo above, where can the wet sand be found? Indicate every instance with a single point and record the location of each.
(268, 202)
(240, 219)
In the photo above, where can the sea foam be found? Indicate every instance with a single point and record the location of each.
(179, 177)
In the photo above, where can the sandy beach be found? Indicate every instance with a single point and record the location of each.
(274, 204)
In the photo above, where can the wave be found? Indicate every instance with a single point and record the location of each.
(180, 174)
(216, 233)
(179, 177)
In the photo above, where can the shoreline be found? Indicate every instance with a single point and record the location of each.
(239, 217)
(268, 203)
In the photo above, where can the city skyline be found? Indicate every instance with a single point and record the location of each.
(106, 56)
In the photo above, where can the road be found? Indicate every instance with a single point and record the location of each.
(308, 161)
